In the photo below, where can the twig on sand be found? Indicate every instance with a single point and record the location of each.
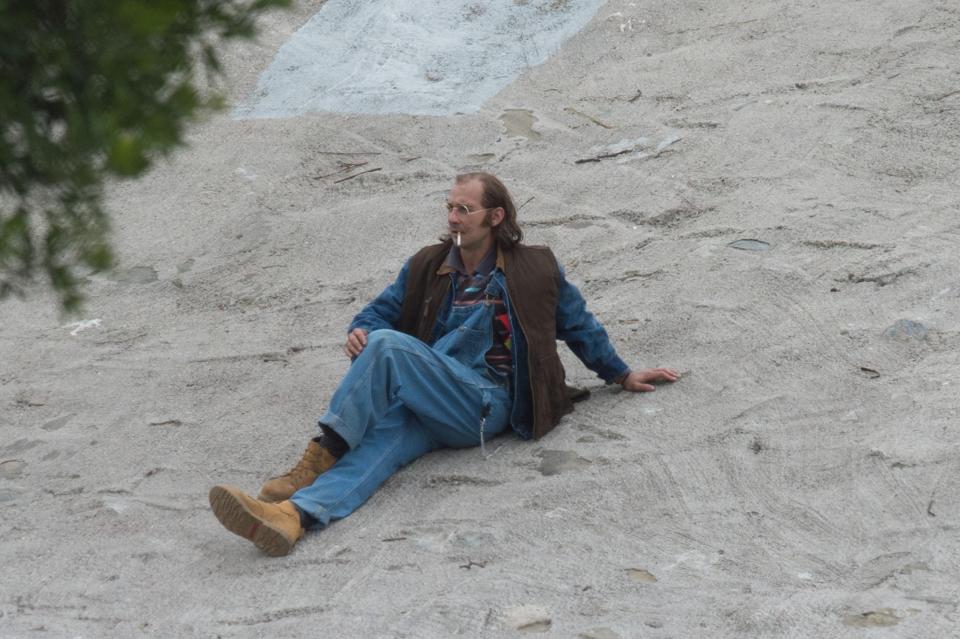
(344, 168)
(588, 117)
(602, 156)
(350, 177)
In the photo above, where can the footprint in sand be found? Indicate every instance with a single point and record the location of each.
(554, 462)
(518, 123)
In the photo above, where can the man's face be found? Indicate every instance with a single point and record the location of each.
(477, 227)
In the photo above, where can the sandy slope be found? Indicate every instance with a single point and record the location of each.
(801, 481)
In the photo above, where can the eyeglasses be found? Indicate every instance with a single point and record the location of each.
(461, 210)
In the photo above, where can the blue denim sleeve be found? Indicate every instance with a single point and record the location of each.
(585, 336)
(384, 310)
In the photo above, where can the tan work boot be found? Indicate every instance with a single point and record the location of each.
(316, 459)
(273, 528)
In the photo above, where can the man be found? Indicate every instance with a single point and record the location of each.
(460, 347)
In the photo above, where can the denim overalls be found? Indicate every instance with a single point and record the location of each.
(402, 398)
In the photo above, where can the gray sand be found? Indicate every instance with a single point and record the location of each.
(802, 480)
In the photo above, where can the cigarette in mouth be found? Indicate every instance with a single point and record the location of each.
(458, 238)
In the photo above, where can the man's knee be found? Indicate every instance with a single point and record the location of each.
(385, 339)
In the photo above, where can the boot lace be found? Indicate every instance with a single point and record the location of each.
(305, 467)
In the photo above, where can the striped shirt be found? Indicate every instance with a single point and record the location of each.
(469, 290)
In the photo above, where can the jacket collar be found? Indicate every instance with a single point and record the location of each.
(449, 264)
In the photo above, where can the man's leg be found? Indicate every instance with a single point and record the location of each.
(447, 397)
(419, 398)
(394, 363)
(396, 440)
(430, 401)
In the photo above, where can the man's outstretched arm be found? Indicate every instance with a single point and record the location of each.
(589, 341)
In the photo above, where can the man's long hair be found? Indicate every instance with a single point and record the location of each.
(495, 194)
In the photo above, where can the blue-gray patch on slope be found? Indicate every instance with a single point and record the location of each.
(422, 57)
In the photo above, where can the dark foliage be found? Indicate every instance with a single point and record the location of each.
(92, 90)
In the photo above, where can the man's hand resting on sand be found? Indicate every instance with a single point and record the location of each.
(640, 381)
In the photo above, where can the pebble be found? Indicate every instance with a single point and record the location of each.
(904, 329)
(640, 575)
(11, 469)
(598, 633)
(750, 245)
(473, 539)
(528, 618)
(874, 619)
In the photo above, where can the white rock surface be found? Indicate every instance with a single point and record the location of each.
(430, 57)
